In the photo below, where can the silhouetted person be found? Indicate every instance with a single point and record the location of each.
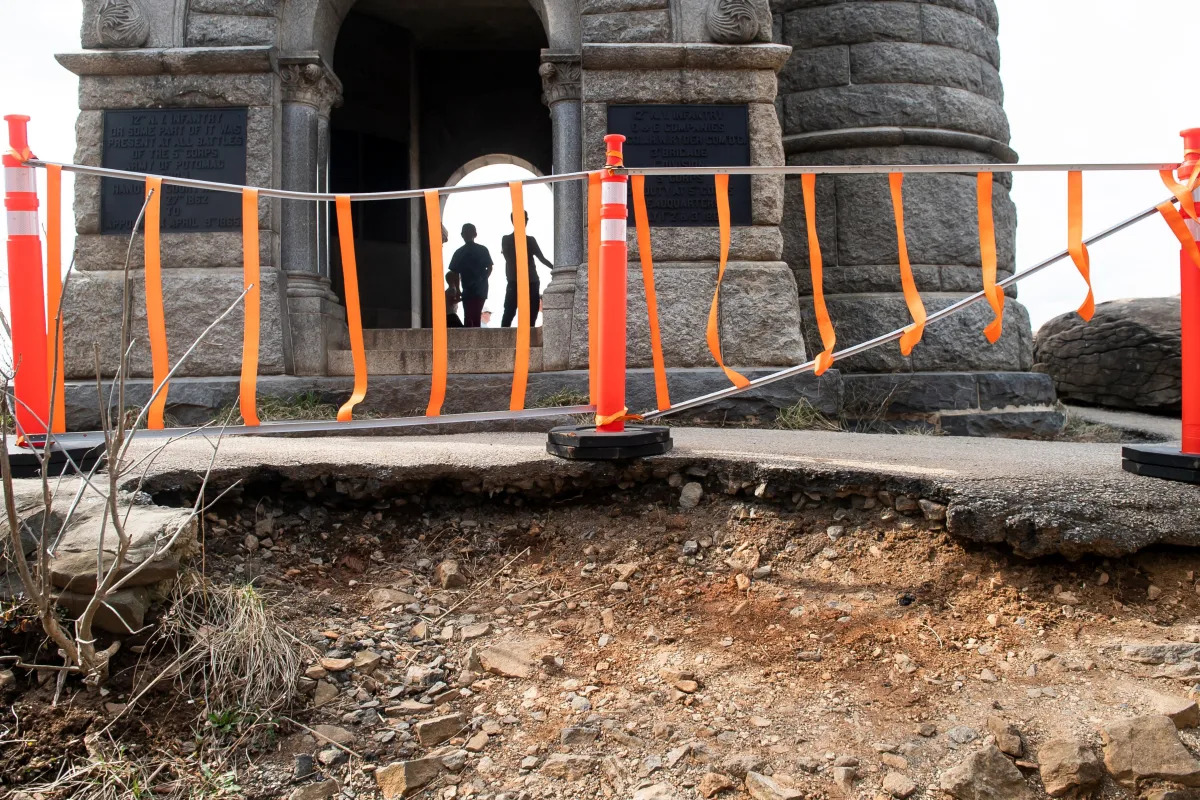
(508, 248)
(471, 266)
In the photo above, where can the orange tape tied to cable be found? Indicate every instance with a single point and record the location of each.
(713, 333)
(248, 391)
(353, 310)
(913, 333)
(54, 288)
(1183, 191)
(525, 314)
(987, 253)
(593, 278)
(441, 343)
(824, 360)
(661, 393)
(618, 416)
(1179, 227)
(155, 315)
(1075, 245)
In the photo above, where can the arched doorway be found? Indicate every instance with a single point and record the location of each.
(489, 211)
(426, 87)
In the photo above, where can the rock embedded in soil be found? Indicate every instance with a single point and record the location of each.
(1147, 748)
(1008, 738)
(1068, 765)
(740, 765)
(713, 783)
(384, 598)
(402, 778)
(690, 495)
(657, 791)
(1180, 710)
(985, 775)
(123, 611)
(509, 660)
(571, 768)
(760, 787)
(326, 693)
(315, 791)
(578, 736)
(434, 731)
(898, 785)
(332, 733)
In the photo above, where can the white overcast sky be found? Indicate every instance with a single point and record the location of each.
(1085, 81)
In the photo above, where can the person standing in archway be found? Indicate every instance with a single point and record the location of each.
(471, 266)
(508, 248)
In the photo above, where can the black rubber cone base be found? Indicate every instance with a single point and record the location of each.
(1161, 461)
(26, 461)
(585, 443)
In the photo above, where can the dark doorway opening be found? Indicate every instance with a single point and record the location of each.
(427, 87)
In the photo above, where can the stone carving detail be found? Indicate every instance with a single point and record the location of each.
(732, 21)
(562, 79)
(310, 83)
(122, 23)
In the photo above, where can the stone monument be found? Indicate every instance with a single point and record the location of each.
(367, 95)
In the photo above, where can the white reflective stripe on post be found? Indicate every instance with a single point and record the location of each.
(19, 179)
(22, 223)
(612, 193)
(612, 230)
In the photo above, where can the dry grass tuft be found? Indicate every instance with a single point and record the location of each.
(234, 653)
(803, 416)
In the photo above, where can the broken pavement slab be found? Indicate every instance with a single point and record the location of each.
(1039, 498)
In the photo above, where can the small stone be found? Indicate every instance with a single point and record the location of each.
(760, 787)
(367, 661)
(1153, 593)
(477, 742)
(337, 664)
(926, 729)
(316, 672)
(742, 764)
(934, 512)
(303, 766)
(691, 548)
(326, 692)
(506, 661)
(449, 575)
(438, 729)
(713, 783)
(1068, 766)
(987, 676)
(835, 532)
(383, 598)
(332, 733)
(743, 582)
(250, 543)
(962, 734)
(315, 791)
(657, 791)
(619, 587)
(578, 735)
(1008, 738)
(690, 496)
(332, 757)
(401, 778)
(843, 778)
(8, 679)
(898, 785)
(476, 631)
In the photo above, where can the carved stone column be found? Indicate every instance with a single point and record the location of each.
(561, 90)
(310, 90)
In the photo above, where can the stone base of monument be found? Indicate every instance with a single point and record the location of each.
(1163, 461)
(26, 462)
(585, 443)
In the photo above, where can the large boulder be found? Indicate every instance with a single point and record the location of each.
(1128, 356)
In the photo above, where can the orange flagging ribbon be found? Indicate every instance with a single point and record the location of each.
(155, 315)
(713, 333)
(913, 333)
(1183, 191)
(1075, 245)
(987, 253)
(593, 278)
(525, 314)
(1179, 227)
(619, 416)
(808, 183)
(248, 392)
(353, 310)
(54, 288)
(441, 344)
(662, 395)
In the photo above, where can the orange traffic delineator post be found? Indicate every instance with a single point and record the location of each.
(26, 299)
(1168, 461)
(611, 439)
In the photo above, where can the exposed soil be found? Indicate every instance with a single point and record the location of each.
(788, 638)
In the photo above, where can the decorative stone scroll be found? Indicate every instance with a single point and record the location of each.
(122, 23)
(562, 77)
(310, 83)
(732, 21)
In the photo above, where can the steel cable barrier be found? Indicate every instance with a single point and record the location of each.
(37, 316)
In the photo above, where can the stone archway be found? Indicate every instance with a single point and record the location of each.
(311, 32)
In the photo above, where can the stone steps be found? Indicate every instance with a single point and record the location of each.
(409, 351)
